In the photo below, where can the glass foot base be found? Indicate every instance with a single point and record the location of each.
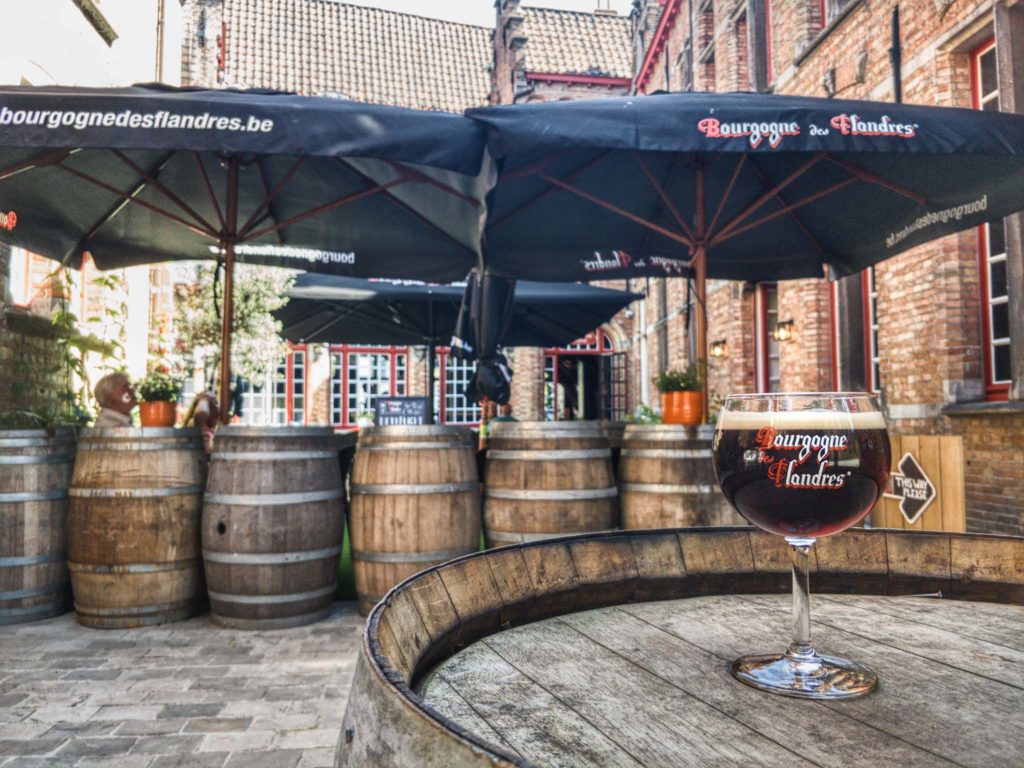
(807, 676)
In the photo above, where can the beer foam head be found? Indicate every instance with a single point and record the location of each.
(811, 419)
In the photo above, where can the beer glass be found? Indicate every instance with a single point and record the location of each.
(802, 465)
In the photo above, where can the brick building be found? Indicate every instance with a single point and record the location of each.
(938, 331)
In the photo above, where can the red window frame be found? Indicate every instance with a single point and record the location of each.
(762, 335)
(289, 387)
(994, 391)
(869, 286)
(443, 353)
(596, 343)
(345, 350)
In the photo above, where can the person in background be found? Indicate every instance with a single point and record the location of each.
(204, 412)
(116, 398)
(505, 413)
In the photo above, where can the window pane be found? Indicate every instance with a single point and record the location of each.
(996, 238)
(1000, 321)
(1001, 354)
(989, 82)
(997, 279)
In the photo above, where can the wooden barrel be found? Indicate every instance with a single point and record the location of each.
(35, 472)
(548, 479)
(666, 479)
(273, 517)
(133, 526)
(415, 503)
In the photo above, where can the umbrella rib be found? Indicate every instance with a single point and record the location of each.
(532, 168)
(266, 189)
(162, 189)
(674, 236)
(728, 191)
(414, 175)
(129, 198)
(571, 177)
(322, 209)
(80, 245)
(749, 210)
(871, 178)
(52, 158)
(664, 195)
(796, 219)
(405, 206)
(209, 190)
(255, 218)
(721, 238)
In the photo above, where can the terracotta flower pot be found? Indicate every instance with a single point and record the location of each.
(161, 413)
(685, 408)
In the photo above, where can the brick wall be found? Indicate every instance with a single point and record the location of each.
(30, 377)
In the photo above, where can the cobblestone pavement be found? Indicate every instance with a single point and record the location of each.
(182, 694)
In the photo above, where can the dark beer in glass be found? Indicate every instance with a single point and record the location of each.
(802, 473)
(802, 466)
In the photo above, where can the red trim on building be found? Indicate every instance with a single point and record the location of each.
(657, 45)
(833, 323)
(768, 41)
(993, 391)
(604, 80)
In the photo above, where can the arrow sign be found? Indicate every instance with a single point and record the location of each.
(912, 487)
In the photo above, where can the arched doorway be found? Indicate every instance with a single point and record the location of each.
(585, 380)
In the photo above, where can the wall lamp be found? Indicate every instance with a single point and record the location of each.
(719, 348)
(783, 331)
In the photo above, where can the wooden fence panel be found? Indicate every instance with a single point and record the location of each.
(941, 457)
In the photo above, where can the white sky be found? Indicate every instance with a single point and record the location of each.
(481, 12)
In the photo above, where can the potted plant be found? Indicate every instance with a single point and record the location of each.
(158, 394)
(681, 395)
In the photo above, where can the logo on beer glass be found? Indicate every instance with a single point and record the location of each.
(792, 456)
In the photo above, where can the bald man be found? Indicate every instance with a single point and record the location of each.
(116, 398)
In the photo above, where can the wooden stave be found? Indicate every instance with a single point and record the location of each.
(35, 473)
(159, 570)
(254, 583)
(440, 483)
(530, 492)
(435, 613)
(666, 479)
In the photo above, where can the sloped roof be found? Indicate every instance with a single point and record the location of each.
(367, 54)
(576, 42)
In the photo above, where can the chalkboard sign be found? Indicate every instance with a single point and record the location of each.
(401, 411)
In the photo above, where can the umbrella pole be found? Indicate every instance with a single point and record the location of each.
(229, 291)
(431, 357)
(701, 322)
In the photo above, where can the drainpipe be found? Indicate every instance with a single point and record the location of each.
(160, 40)
(896, 57)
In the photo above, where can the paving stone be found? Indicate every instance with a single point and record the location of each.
(92, 674)
(270, 759)
(10, 747)
(195, 760)
(97, 745)
(12, 699)
(319, 737)
(217, 724)
(150, 727)
(50, 761)
(248, 741)
(63, 714)
(190, 710)
(82, 729)
(164, 745)
(292, 693)
(23, 730)
(112, 645)
(296, 722)
(128, 713)
(317, 758)
(117, 761)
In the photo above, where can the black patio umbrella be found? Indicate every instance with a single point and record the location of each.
(737, 186)
(342, 310)
(145, 174)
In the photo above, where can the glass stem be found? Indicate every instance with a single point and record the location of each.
(801, 648)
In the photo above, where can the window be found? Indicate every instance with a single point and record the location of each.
(766, 317)
(995, 308)
(359, 375)
(279, 399)
(19, 277)
(452, 375)
(871, 358)
(587, 378)
(831, 8)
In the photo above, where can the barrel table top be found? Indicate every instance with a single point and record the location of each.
(648, 684)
